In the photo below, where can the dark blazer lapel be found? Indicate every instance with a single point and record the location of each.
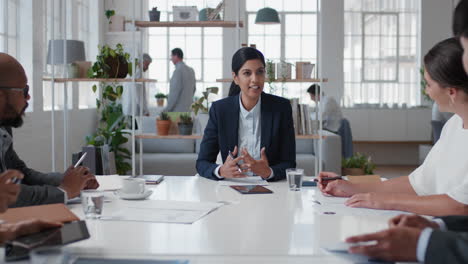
(267, 121)
(233, 122)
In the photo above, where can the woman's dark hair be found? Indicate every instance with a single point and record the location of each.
(460, 19)
(444, 64)
(238, 59)
(234, 89)
(313, 88)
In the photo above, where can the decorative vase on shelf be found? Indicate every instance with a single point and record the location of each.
(154, 14)
(160, 102)
(185, 129)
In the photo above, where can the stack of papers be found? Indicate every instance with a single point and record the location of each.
(255, 180)
(178, 212)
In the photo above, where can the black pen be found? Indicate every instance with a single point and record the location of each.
(330, 178)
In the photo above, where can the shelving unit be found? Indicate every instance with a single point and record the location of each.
(156, 136)
(122, 80)
(227, 24)
(283, 80)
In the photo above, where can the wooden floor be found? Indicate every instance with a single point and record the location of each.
(393, 171)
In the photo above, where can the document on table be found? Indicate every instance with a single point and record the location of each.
(336, 206)
(254, 180)
(177, 212)
(110, 182)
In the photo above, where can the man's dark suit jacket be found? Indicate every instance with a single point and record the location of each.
(36, 188)
(277, 135)
(449, 246)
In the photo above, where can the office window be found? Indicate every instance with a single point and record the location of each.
(202, 47)
(295, 39)
(54, 18)
(75, 16)
(86, 9)
(381, 63)
(9, 39)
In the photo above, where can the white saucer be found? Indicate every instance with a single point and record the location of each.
(133, 196)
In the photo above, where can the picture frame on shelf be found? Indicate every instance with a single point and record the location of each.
(184, 13)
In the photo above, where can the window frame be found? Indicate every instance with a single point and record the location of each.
(363, 46)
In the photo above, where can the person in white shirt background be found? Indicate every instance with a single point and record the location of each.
(331, 111)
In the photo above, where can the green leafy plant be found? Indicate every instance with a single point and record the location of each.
(160, 96)
(270, 71)
(111, 125)
(109, 13)
(111, 63)
(198, 104)
(359, 161)
(423, 85)
(185, 119)
(164, 116)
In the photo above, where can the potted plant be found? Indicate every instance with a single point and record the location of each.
(358, 164)
(271, 75)
(109, 14)
(198, 106)
(111, 63)
(154, 14)
(185, 124)
(163, 123)
(160, 99)
(112, 122)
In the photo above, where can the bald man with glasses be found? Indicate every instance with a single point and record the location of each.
(36, 187)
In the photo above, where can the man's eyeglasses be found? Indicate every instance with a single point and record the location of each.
(25, 90)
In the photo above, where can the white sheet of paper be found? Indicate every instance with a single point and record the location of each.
(329, 199)
(110, 182)
(178, 212)
(255, 180)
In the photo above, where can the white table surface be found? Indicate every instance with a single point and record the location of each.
(283, 227)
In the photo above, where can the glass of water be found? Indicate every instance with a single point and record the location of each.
(92, 202)
(294, 177)
(50, 255)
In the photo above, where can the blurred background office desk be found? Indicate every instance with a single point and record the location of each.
(283, 227)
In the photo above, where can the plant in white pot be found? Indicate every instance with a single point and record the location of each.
(160, 97)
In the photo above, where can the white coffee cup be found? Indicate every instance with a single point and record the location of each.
(133, 186)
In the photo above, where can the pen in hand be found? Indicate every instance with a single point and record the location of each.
(329, 178)
(232, 157)
(80, 160)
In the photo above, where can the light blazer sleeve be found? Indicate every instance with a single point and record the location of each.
(175, 90)
(447, 247)
(287, 145)
(209, 147)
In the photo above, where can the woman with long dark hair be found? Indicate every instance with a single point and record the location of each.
(252, 130)
(439, 186)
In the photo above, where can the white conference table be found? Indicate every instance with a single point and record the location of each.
(283, 227)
